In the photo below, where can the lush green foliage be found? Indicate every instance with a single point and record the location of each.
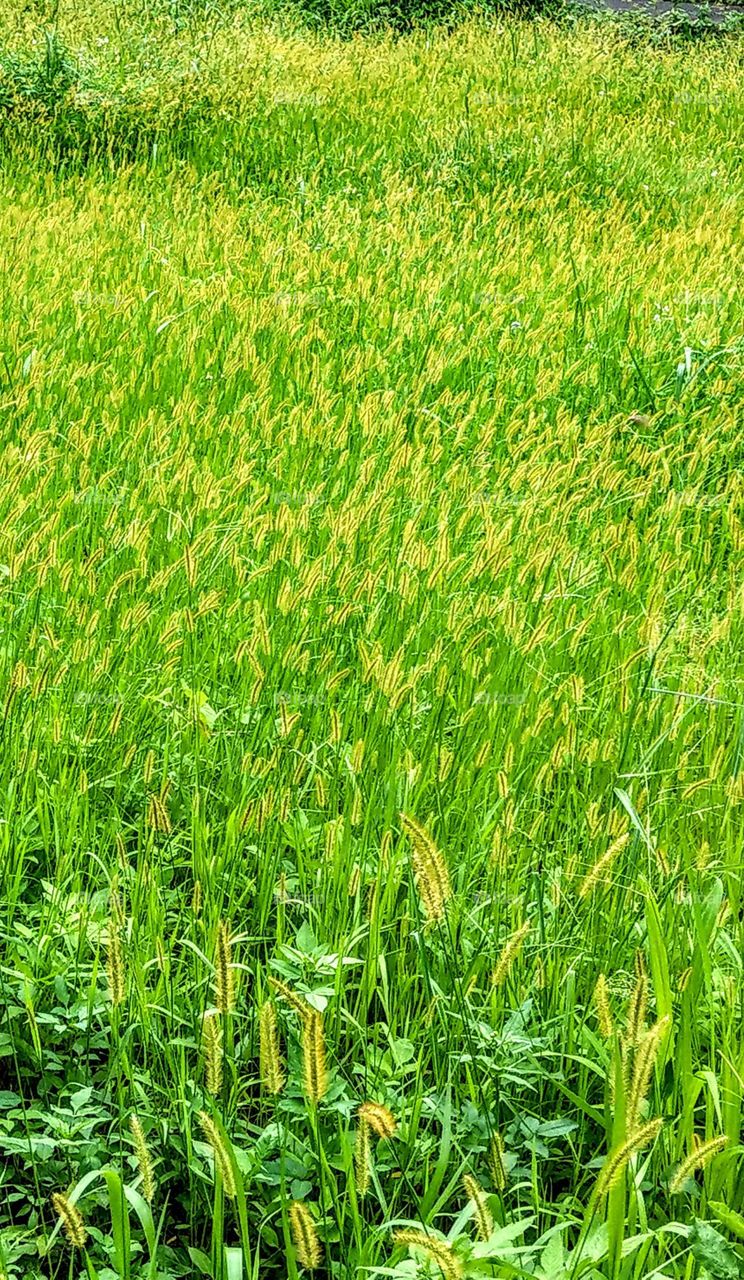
(370, 587)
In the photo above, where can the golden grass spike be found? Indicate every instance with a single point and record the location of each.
(290, 997)
(362, 1157)
(272, 1073)
(71, 1219)
(315, 1075)
(224, 980)
(612, 1169)
(304, 1236)
(437, 1250)
(115, 971)
(497, 1163)
(698, 1159)
(602, 1006)
(196, 899)
(643, 1065)
(481, 1212)
(509, 953)
(380, 1120)
(595, 875)
(635, 1022)
(212, 1042)
(144, 1159)
(222, 1161)
(429, 870)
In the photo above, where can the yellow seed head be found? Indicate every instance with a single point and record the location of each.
(497, 1163)
(304, 1236)
(313, 1057)
(144, 1159)
(285, 992)
(429, 870)
(272, 1074)
(224, 980)
(509, 953)
(643, 1065)
(635, 1022)
(602, 866)
(438, 1251)
(115, 965)
(196, 899)
(380, 1120)
(602, 1005)
(698, 1159)
(481, 1212)
(613, 1167)
(222, 1162)
(71, 1219)
(362, 1157)
(212, 1041)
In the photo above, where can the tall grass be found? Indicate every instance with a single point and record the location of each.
(370, 582)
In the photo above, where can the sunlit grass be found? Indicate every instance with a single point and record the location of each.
(370, 590)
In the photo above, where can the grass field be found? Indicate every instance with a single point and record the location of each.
(371, 619)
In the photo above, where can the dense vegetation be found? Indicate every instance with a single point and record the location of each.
(371, 615)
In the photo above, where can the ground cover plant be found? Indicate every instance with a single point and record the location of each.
(372, 761)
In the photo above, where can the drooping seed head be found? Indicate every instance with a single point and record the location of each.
(698, 1159)
(379, 1118)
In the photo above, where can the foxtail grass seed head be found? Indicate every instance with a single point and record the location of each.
(635, 1022)
(304, 1236)
(196, 899)
(224, 976)
(596, 874)
(116, 907)
(313, 1057)
(497, 1163)
(698, 1159)
(158, 818)
(272, 1074)
(284, 991)
(613, 1167)
(481, 1213)
(71, 1219)
(144, 1159)
(380, 1119)
(222, 1162)
(115, 971)
(602, 1006)
(362, 1157)
(643, 1066)
(429, 870)
(509, 953)
(212, 1043)
(436, 1250)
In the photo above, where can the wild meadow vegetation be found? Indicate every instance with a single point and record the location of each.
(371, 603)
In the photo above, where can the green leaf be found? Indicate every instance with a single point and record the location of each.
(119, 1222)
(201, 1261)
(715, 1253)
(728, 1218)
(234, 1264)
